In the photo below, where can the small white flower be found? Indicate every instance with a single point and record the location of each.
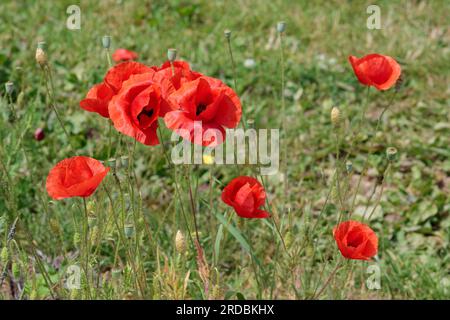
(249, 63)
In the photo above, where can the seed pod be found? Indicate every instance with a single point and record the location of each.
(227, 34)
(112, 163)
(171, 54)
(281, 26)
(335, 116)
(106, 42)
(391, 153)
(129, 230)
(9, 87)
(180, 242)
(349, 166)
(116, 274)
(125, 161)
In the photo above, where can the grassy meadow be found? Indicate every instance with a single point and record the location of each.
(292, 255)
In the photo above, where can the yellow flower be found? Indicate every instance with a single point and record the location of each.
(207, 159)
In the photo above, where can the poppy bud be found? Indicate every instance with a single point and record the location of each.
(335, 116)
(129, 230)
(9, 87)
(349, 166)
(4, 256)
(180, 242)
(391, 153)
(41, 56)
(281, 26)
(39, 134)
(106, 42)
(227, 34)
(171, 54)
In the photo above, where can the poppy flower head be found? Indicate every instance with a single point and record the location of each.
(135, 109)
(207, 101)
(376, 70)
(179, 75)
(246, 195)
(356, 240)
(118, 74)
(97, 99)
(124, 55)
(75, 177)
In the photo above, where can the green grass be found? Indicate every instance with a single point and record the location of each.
(412, 221)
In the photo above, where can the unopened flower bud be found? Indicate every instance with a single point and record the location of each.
(41, 56)
(39, 134)
(9, 87)
(335, 116)
(391, 153)
(180, 242)
(106, 42)
(227, 33)
(281, 26)
(171, 54)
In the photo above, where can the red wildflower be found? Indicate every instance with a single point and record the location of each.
(246, 195)
(97, 99)
(75, 177)
(207, 101)
(356, 240)
(135, 109)
(100, 95)
(180, 74)
(124, 55)
(376, 70)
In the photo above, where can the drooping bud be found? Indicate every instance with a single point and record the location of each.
(391, 153)
(9, 87)
(39, 134)
(180, 242)
(227, 33)
(41, 56)
(171, 54)
(281, 26)
(106, 42)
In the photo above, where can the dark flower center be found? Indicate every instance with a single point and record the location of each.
(200, 108)
(147, 113)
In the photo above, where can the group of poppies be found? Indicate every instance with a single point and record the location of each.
(133, 96)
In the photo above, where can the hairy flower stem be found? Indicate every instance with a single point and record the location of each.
(327, 282)
(233, 66)
(48, 79)
(385, 175)
(86, 247)
(283, 122)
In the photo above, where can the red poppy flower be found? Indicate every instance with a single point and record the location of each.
(97, 99)
(75, 177)
(207, 101)
(135, 109)
(100, 95)
(246, 195)
(356, 240)
(124, 55)
(180, 74)
(376, 70)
